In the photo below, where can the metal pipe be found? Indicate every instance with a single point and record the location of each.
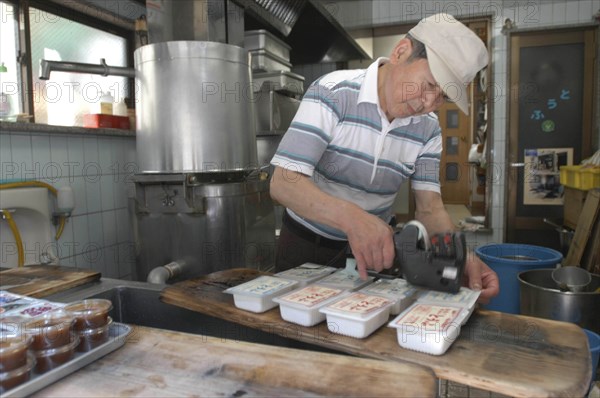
(47, 67)
(161, 275)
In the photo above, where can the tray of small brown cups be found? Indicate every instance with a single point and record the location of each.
(15, 361)
(91, 322)
(54, 341)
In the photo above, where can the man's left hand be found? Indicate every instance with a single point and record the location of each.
(481, 277)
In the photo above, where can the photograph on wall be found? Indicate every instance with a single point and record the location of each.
(542, 175)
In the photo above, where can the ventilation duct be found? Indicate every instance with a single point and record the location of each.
(307, 26)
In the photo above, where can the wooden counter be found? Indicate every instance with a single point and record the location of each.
(43, 280)
(161, 363)
(508, 354)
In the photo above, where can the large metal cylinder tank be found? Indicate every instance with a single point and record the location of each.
(206, 226)
(195, 108)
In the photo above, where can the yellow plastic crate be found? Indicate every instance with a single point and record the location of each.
(579, 177)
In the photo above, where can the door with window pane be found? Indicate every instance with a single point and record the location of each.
(551, 124)
(454, 167)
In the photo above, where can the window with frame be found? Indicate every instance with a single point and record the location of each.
(55, 33)
(10, 95)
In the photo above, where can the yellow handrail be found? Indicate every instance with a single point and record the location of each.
(17, 235)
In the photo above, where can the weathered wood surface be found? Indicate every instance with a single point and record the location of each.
(160, 363)
(509, 354)
(44, 280)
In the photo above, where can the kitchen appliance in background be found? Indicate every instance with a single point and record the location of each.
(202, 204)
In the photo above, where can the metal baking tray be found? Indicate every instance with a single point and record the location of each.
(264, 40)
(280, 81)
(118, 333)
(264, 61)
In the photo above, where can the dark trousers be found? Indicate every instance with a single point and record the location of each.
(298, 245)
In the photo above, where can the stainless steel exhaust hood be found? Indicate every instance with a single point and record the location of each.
(306, 25)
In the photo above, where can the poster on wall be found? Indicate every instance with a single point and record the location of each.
(542, 175)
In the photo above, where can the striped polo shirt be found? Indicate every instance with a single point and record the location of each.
(341, 138)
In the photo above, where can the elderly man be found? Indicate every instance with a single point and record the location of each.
(358, 135)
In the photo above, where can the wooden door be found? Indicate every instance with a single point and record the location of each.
(551, 119)
(454, 166)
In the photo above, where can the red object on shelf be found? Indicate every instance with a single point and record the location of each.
(98, 120)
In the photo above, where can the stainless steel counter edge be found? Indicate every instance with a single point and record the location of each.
(17, 127)
(94, 288)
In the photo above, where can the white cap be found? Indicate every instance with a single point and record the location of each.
(454, 52)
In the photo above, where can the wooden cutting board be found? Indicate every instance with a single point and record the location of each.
(44, 280)
(160, 363)
(508, 354)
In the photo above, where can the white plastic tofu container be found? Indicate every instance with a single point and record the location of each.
(464, 298)
(344, 280)
(395, 289)
(301, 306)
(257, 295)
(357, 315)
(428, 328)
(306, 273)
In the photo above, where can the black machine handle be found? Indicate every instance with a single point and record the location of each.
(439, 268)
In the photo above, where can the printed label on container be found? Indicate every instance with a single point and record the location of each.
(305, 271)
(311, 295)
(343, 279)
(39, 308)
(464, 296)
(8, 297)
(359, 303)
(390, 288)
(262, 286)
(429, 317)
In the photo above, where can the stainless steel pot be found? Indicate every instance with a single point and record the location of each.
(195, 109)
(541, 297)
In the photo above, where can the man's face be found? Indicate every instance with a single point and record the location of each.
(410, 89)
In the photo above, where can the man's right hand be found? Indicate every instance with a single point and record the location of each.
(371, 241)
(370, 238)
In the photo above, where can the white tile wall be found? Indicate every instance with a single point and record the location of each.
(41, 154)
(98, 235)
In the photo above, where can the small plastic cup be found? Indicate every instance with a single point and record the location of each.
(50, 330)
(13, 351)
(13, 325)
(92, 338)
(89, 314)
(17, 376)
(54, 357)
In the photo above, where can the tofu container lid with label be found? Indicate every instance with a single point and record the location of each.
(428, 328)
(301, 306)
(257, 295)
(357, 314)
(464, 298)
(344, 280)
(395, 289)
(306, 273)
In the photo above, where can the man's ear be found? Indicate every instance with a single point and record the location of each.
(402, 51)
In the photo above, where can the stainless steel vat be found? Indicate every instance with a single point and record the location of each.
(195, 110)
(541, 297)
(203, 221)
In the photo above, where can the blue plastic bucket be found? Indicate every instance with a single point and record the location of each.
(508, 260)
(594, 341)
